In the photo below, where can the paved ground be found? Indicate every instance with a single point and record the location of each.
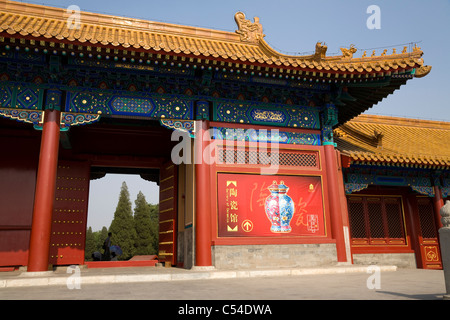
(325, 284)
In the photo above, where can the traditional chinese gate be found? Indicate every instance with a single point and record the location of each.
(167, 213)
(68, 235)
(58, 82)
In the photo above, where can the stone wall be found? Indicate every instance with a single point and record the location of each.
(185, 248)
(401, 260)
(273, 256)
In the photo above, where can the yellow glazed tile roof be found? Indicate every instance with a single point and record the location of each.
(400, 141)
(245, 45)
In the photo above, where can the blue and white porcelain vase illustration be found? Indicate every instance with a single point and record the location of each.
(272, 208)
(286, 207)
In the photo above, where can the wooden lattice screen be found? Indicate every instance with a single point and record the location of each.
(376, 220)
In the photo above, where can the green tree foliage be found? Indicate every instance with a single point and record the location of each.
(146, 226)
(154, 227)
(142, 226)
(101, 237)
(90, 244)
(122, 226)
(94, 242)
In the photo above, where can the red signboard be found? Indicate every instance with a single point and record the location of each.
(269, 206)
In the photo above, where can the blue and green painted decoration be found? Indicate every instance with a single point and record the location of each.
(235, 111)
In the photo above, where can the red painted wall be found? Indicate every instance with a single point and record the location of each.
(18, 165)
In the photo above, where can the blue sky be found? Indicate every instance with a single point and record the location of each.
(294, 27)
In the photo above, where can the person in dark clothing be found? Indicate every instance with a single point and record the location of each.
(106, 247)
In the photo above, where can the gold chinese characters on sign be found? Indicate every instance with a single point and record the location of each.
(231, 206)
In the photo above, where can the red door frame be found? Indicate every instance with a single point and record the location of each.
(121, 162)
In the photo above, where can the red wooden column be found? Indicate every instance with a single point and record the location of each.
(334, 200)
(202, 198)
(45, 193)
(438, 203)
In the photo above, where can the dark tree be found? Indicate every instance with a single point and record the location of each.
(122, 226)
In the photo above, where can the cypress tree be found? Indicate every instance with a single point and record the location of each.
(90, 247)
(142, 225)
(122, 226)
(154, 228)
(100, 237)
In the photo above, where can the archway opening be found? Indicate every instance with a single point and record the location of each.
(123, 201)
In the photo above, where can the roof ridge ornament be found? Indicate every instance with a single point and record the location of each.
(321, 51)
(422, 71)
(348, 53)
(248, 31)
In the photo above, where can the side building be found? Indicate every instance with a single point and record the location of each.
(396, 177)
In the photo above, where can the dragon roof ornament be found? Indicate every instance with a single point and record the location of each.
(248, 31)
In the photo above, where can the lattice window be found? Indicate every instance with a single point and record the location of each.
(241, 156)
(357, 219)
(375, 213)
(394, 220)
(426, 218)
(376, 220)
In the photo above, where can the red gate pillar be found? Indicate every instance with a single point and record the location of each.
(438, 203)
(45, 193)
(337, 227)
(202, 198)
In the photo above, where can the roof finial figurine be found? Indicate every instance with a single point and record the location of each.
(248, 31)
(416, 48)
(321, 50)
(348, 53)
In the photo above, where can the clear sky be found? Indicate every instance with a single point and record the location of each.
(294, 27)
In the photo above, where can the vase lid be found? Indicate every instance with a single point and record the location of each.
(273, 186)
(282, 187)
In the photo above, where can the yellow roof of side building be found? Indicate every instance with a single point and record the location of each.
(245, 45)
(392, 140)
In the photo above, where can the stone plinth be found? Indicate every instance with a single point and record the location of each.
(273, 256)
(444, 238)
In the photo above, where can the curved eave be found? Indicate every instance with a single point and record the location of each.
(366, 98)
(409, 161)
(50, 24)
